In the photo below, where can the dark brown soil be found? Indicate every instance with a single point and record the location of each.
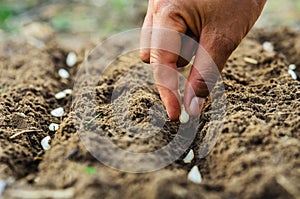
(257, 154)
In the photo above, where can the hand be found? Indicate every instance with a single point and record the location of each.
(218, 26)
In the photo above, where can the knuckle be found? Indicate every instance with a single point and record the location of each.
(202, 84)
(171, 13)
(160, 5)
(230, 44)
(158, 56)
(163, 57)
(167, 8)
(227, 41)
(201, 88)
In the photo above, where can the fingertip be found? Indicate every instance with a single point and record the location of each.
(173, 113)
(145, 55)
(171, 102)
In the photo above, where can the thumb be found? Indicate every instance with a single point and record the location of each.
(213, 51)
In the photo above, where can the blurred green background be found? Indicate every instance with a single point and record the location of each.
(103, 17)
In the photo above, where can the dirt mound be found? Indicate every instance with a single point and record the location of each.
(256, 156)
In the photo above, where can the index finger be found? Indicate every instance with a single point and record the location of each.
(165, 49)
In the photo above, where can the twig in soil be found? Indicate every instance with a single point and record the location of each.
(22, 132)
(93, 119)
(279, 113)
(33, 194)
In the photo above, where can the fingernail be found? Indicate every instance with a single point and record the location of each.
(196, 105)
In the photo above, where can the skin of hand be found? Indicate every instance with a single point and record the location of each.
(217, 26)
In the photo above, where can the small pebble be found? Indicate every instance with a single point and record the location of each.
(194, 175)
(189, 157)
(184, 116)
(71, 59)
(60, 95)
(58, 112)
(68, 91)
(53, 127)
(45, 143)
(63, 73)
(250, 60)
(268, 47)
(292, 73)
(292, 67)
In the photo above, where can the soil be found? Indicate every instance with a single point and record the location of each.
(257, 154)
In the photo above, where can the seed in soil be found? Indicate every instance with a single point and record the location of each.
(292, 67)
(21, 114)
(268, 47)
(194, 175)
(71, 59)
(184, 116)
(58, 112)
(292, 73)
(189, 157)
(250, 60)
(63, 94)
(45, 143)
(5, 183)
(63, 73)
(285, 138)
(53, 127)
(60, 95)
(68, 91)
(2, 186)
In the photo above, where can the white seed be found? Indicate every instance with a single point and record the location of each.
(45, 143)
(63, 94)
(292, 67)
(3, 185)
(250, 60)
(58, 112)
(268, 47)
(71, 59)
(60, 95)
(293, 74)
(285, 138)
(53, 127)
(194, 175)
(68, 91)
(21, 114)
(184, 116)
(63, 73)
(189, 157)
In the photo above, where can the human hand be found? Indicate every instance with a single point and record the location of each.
(218, 26)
